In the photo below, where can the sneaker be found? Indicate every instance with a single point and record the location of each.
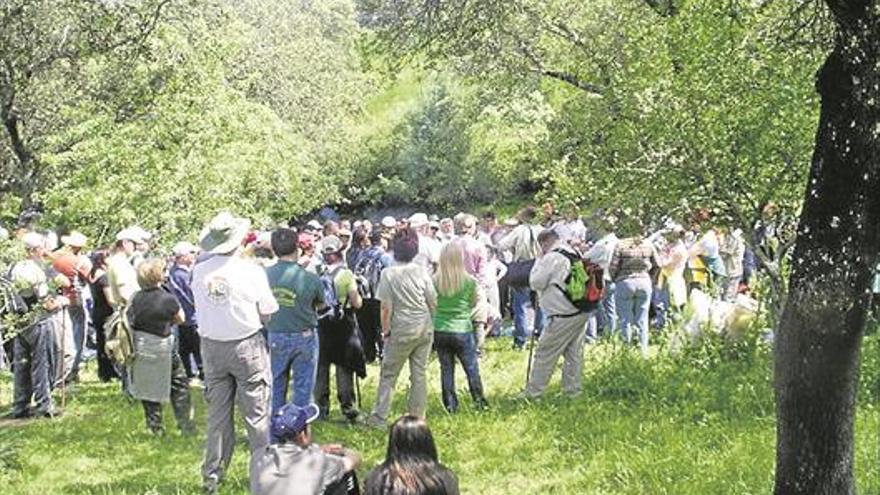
(211, 486)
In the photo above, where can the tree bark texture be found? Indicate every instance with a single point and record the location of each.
(820, 333)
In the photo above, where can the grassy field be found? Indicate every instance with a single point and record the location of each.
(698, 423)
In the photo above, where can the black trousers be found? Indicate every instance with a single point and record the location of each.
(344, 389)
(190, 350)
(370, 324)
(180, 401)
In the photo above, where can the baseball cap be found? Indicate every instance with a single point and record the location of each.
(183, 248)
(388, 222)
(331, 244)
(314, 225)
(291, 419)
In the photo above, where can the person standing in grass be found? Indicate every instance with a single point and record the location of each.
(457, 296)
(157, 372)
(411, 465)
(407, 297)
(293, 330)
(233, 300)
(564, 335)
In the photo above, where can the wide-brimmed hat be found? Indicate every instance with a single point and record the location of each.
(33, 240)
(75, 239)
(224, 233)
(291, 419)
(418, 220)
(331, 245)
(132, 234)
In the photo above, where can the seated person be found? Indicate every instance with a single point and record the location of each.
(296, 466)
(411, 465)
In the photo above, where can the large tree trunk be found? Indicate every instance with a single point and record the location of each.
(819, 336)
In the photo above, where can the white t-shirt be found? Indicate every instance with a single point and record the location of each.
(429, 252)
(122, 278)
(230, 294)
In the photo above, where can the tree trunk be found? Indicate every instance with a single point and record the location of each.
(819, 336)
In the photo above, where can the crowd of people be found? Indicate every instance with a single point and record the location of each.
(261, 317)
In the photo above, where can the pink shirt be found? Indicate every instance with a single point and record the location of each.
(475, 258)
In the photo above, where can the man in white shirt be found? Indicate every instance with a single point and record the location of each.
(233, 300)
(429, 248)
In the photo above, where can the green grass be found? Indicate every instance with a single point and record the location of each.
(698, 423)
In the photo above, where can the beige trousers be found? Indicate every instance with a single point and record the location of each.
(561, 337)
(398, 352)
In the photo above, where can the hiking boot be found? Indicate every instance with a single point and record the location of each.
(211, 486)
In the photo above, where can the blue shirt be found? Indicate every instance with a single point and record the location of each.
(297, 292)
(180, 282)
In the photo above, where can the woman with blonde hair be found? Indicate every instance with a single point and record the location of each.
(157, 372)
(457, 295)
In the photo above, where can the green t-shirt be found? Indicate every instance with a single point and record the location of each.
(297, 291)
(454, 311)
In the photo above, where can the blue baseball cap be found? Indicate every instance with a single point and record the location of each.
(291, 419)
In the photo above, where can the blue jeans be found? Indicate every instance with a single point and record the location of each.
(296, 354)
(464, 347)
(34, 369)
(633, 300)
(78, 322)
(522, 300)
(606, 318)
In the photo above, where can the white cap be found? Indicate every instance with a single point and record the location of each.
(130, 234)
(184, 248)
(74, 239)
(33, 240)
(145, 235)
(418, 220)
(314, 224)
(388, 222)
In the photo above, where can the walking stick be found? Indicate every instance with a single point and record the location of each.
(531, 351)
(357, 390)
(63, 339)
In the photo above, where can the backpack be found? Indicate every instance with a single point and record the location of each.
(518, 273)
(119, 344)
(11, 301)
(585, 283)
(368, 271)
(333, 309)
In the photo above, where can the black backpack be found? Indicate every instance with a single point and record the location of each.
(333, 309)
(368, 271)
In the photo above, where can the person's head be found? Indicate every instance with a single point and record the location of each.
(185, 253)
(284, 242)
(466, 224)
(376, 237)
(224, 234)
(331, 249)
(405, 245)
(345, 236)
(291, 424)
(127, 241)
(419, 223)
(99, 260)
(359, 237)
(527, 215)
(410, 441)
(331, 228)
(305, 241)
(451, 274)
(151, 273)
(572, 212)
(76, 241)
(490, 221)
(547, 239)
(34, 244)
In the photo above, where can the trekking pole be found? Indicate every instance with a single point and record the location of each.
(357, 390)
(531, 351)
(63, 375)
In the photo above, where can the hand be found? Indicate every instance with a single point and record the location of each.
(333, 449)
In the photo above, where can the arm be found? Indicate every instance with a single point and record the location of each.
(350, 458)
(179, 317)
(355, 299)
(385, 319)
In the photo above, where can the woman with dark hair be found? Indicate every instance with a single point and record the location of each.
(360, 242)
(411, 465)
(407, 301)
(101, 310)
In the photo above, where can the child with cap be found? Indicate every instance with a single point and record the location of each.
(294, 465)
